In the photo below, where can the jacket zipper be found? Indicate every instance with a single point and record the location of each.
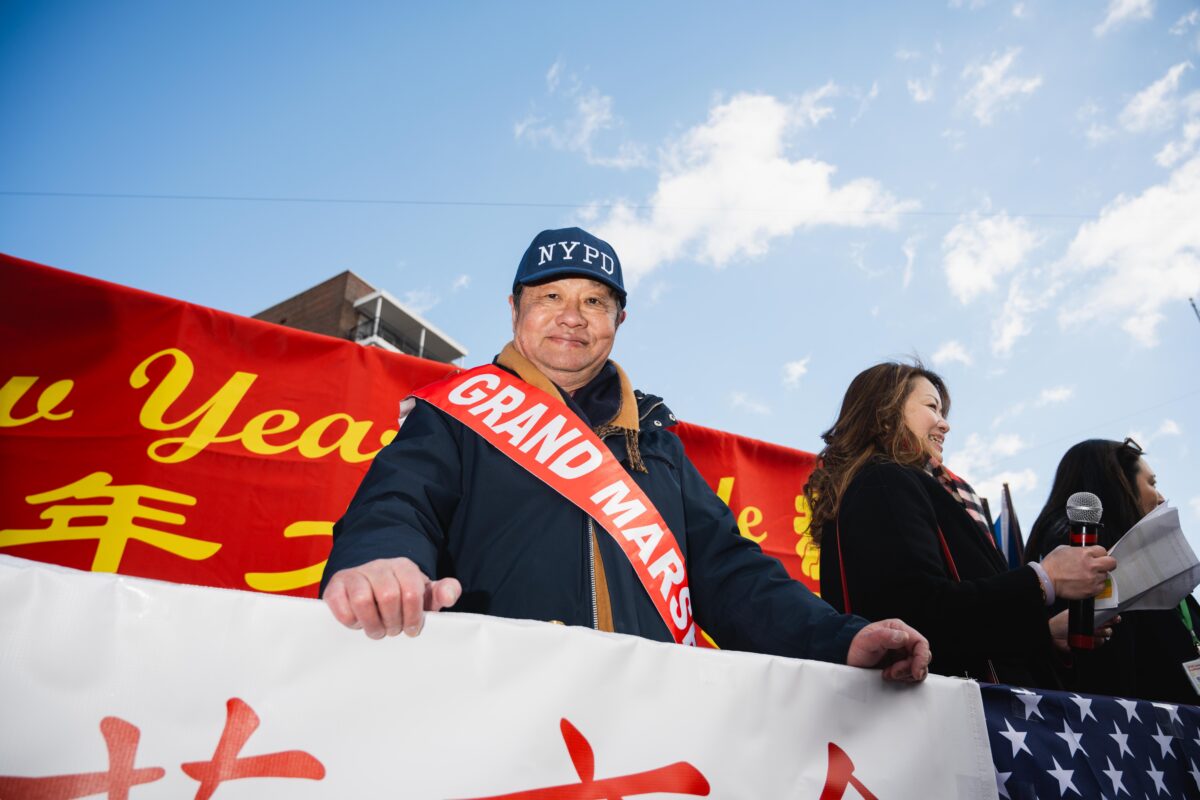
(591, 547)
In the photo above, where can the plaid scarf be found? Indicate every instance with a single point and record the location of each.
(961, 491)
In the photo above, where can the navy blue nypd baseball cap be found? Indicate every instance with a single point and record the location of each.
(569, 252)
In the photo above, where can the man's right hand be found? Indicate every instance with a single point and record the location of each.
(387, 596)
(1078, 572)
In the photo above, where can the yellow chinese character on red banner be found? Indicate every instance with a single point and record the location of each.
(297, 578)
(118, 520)
(806, 548)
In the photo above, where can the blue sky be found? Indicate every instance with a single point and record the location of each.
(1010, 190)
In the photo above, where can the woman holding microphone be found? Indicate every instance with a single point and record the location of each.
(1146, 654)
(903, 536)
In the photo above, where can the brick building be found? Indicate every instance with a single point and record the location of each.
(348, 307)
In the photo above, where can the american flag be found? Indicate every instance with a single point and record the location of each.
(1058, 745)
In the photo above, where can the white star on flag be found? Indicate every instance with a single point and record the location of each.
(1122, 740)
(1030, 700)
(1156, 776)
(1130, 707)
(1071, 738)
(1016, 737)
(1164, 741)
(1085, 707)
(1170, 709)
(1195, 773)
(1114, 775)
(1001, 779)
(1065, 778)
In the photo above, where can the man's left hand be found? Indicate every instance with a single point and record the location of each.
(897, 647)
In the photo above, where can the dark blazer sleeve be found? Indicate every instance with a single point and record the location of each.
(406, 502)
(887, 534)
(744, 598)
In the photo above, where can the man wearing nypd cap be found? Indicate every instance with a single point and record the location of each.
(445, 519)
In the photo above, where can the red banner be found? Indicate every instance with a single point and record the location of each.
(157, 438)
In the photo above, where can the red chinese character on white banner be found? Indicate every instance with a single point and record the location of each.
(677, 778)
(840, 775)
(240, 723)
(122, 740)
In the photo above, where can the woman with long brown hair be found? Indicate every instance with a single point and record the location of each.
(902, 536)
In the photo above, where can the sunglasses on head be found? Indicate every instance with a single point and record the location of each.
(1132, 445)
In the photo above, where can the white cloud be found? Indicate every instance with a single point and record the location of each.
(1009, 413)
(1122, 11)
(950, 352)
(743, 402)
(955, 137)
(1188, 20)
(980, 249)
(726, 189)
(907, 55)
(1141, 254)
(793, 371)
(1052, 395)
(1169, 427)
(1056, 394)
(657, 290)
(588, 117)
(1181, 148)
(461, 282)
(1008, 444)
(858, 252)
(920, 91)
(552, 76)
(1097, 133)
(977, 463)
(1012, 320)
(910, 255)
(1156, 106)
(866, 102)
(811, 109)
(419, 300)
(1020, 11)
(993, 88)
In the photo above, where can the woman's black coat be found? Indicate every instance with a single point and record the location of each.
(1144, 659)
(887, 534)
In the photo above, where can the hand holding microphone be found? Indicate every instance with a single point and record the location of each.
(1083, 512)
(1078, 572)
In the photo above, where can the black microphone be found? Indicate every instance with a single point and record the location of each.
(1083, 511)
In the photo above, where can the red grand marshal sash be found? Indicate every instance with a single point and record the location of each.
(542, 435)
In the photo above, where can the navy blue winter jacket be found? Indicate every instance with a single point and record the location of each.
(456, 506)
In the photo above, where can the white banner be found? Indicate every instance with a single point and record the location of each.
(110, 683)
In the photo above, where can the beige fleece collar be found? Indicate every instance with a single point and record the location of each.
(626, 418)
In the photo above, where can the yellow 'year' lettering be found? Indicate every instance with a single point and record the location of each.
(16, 387)
(207, 421)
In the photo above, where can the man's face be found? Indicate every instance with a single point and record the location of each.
(566, 328)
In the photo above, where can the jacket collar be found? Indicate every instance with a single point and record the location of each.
(626, 418)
